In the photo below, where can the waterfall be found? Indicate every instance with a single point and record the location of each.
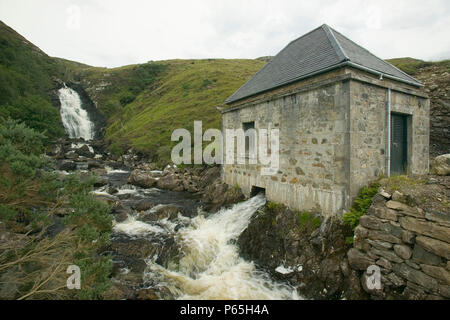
(75, 119)
(211, 267)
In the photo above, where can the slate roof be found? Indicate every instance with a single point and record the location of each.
(320, 50)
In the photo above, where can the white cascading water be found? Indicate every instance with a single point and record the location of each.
(211, 267)
(75, 119)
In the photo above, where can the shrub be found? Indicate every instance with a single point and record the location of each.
(126, 99)
(115, 149)
(272, 206)
(308, 221)
(37, 113)
(33, 260)
(360, 205)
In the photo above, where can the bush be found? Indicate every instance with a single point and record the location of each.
(360, 205)
(126, 99)
(33, 260)
(115, 149)
(37, 113)
(308, 222)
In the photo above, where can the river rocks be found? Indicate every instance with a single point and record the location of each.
(441, 165)
(315, 258)
(170, 182)
(105, 198)
(144, 205)
(142, 178)
(84, 151)
(100, 181)
(67, 165)
(120, 212)
(147, 294)
(162, 211)
(219, 194)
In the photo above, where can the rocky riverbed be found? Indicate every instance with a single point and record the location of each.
(170, 240)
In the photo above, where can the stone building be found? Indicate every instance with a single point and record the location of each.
(331, 100)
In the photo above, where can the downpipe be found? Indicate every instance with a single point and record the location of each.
(388, 153)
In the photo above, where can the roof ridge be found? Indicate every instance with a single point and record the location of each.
(336, 45)
(361, 47)
(268, 63)
(302, 36)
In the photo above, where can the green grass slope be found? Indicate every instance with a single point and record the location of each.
(414, 66)
(188, 90)
(112, 89)
(26, 82)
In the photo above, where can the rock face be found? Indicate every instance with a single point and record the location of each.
(441, 165)
(308, 256)
(410, 246)
(436, 79)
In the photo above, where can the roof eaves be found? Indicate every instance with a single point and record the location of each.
(386, 75)
(332, 67)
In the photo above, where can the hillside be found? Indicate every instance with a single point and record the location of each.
(26, 82)
(145, 103)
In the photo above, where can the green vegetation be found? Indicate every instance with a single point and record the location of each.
(273, 207)
(308, 222)
(396, 183)
(188, 90)
(121, 85)
(34, 260)
(26, 82)
(361, 204)
(413, 66)
(37, 113)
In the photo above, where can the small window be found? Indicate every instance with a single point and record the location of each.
(249, 138)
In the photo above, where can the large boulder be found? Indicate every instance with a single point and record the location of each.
(162, 211)
(170, 181)
(218, 194)
(142, 178)
(441, 165)
(84, 151)
(67, 165)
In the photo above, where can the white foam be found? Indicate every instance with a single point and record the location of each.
(134, 227)
(211, 267)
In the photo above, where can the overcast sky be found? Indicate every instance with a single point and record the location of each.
(113, 33)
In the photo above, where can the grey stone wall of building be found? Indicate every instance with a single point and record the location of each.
(333, 138)
(313, 148)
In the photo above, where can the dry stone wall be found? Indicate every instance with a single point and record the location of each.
(409, 245)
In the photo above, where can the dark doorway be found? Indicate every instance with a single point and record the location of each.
(257, 190)
(399, 144)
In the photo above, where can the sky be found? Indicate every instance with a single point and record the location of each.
(112, 33)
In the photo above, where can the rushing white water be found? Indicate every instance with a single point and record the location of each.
(134, 227)
(75, 119)
(211, 267)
